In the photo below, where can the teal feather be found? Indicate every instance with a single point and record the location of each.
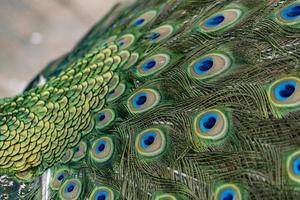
(197, 100)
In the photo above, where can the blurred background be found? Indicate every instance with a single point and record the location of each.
(34, 32)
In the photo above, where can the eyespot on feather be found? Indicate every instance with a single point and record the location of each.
(144, 19)
(160, 33)
(125, 41)
(143, 100)
(293, 166)
(67, 156)
(150, 142)
(104, 118)
(102, 149)
(102, 193)
(116, 93)
(227, 191)
(285, 92)
(58, 178)
(289, 14)
(209, 65)
(79, 151)
(221, 20)
(70, 189)
(211, 125)
(153, 64)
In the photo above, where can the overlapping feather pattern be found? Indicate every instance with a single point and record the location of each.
(177, 99)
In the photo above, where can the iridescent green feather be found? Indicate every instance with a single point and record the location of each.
(165, 99)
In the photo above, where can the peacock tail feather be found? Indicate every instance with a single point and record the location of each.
(165, 100)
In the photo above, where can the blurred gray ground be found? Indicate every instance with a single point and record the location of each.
(34, 32)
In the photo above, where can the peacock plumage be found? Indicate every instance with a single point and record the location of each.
(165, 100)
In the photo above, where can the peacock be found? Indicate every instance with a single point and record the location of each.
(164, 100)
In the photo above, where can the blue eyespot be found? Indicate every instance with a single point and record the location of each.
(148, 65)
(139, 22)
(102, 195)
(125, 41)
(214, 21)
(293, 166)
(104, 118)
(139, 100)
(211, 125)
(291, 12)
(148, 139)
(150, 142)
(227, 194)
(77, 149)
(285, 90)
(102, 149)
(296, 166)
(209, 65)
(221, 20)
(121, 43)
(143, 100)
(101, 117)
(144, 18)
(208, 121)
(153, 64)
(61, 177)
(70, 187)
(100, 146)
(111, 92)
(204, 65)
(154, 36)
(160, 33)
